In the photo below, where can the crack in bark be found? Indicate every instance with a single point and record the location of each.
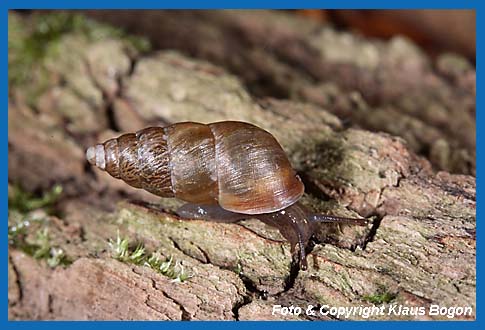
(372, 232)
(133, 63)
(238, 305)
(379, 215)
(205, 254)
(185, 314)
(107, 99)
(50, 301)
(147, 303)
(311, 188)
(426, 300)
(17, 280)
(206, 260)
(247, 298)
(185, 253)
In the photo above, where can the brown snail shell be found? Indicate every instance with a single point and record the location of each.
(237, 165)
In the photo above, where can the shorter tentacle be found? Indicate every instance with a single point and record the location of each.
(322, 218)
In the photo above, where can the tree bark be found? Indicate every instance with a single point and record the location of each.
(418, 251)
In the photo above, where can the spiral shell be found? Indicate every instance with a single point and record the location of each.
(237, 165)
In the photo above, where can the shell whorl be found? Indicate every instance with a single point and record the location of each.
(238, 165)
(254, 174)
(141, 159)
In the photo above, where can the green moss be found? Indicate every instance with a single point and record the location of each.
(17, 230)
(168, 267)
(239, 268)
(27, 221)
(24, 202)
(380, 297)
(32, 39)
(40, 248)
(120, 249)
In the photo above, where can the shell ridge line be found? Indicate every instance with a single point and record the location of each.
(166, 137)
(138, 134)
(138, 159)
(117, 162)
(216, 165)
(140, 179)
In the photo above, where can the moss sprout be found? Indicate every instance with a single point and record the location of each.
(120, 250)
(40, 247)
(57, 257)
(379, 298)
(27, 224)
(238, 269)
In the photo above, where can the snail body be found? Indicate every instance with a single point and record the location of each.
(226, 170)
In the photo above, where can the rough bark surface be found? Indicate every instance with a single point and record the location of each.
(381, 86)
(419, 249)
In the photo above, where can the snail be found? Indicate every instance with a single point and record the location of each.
(226, 171)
